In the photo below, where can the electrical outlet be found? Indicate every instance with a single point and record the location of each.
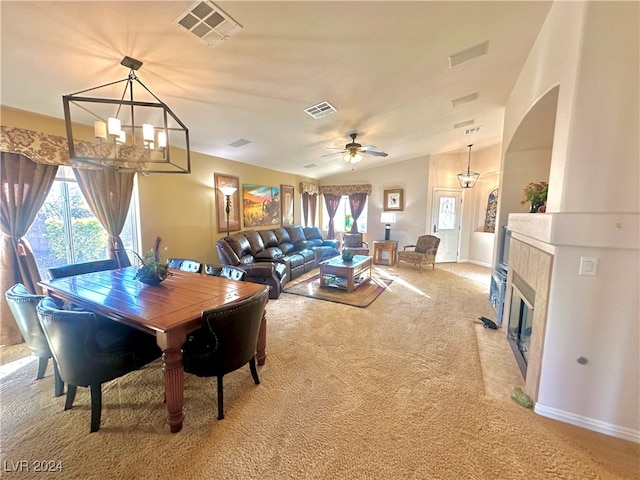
(588, 266)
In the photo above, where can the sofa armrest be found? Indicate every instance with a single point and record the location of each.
(266, 273)
(262, 269)
(331, 243)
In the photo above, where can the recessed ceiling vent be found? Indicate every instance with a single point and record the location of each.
(467, 98)
(311, 165)
(207, 22)
(241, 142)
(320, 110)
(463, 124)
(468, 54)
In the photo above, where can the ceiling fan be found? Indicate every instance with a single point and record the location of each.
(353, 151)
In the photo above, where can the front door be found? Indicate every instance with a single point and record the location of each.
(447, 205)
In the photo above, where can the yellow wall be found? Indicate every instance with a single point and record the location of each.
(180, 208)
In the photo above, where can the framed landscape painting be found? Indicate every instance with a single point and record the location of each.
(260, 205)
(393, 200)
(286, 202)
(220, 181)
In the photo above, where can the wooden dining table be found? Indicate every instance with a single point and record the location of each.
(170, 311)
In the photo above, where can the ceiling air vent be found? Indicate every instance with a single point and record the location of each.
(320, 110)
(467, 98)
(468, 54)
(241, 142)
(463, 124)
(311, 165)
(207, 22)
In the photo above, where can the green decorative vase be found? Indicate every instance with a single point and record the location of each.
(347, 256)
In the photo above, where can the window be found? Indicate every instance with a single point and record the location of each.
(343, 213)
(447, 213)
(66, 231)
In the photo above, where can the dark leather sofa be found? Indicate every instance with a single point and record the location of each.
(276, 256)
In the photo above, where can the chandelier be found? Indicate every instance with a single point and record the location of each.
(469, 178)
(130, 133)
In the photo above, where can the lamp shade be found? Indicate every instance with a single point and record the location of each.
(388, 217)
(228, 191)
(352, 157)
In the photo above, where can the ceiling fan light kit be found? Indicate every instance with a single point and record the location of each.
(354, 152)
(353, 158)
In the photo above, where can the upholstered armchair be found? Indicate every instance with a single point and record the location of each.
(23, 307)
(226, 342)
(225, 271)
(352, 242)
(185, 264)
(83, 267)
(91, 350)
(422, 253)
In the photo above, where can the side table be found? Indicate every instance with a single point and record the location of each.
(390, 246)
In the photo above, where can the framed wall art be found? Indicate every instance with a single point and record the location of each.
(221, 180)
(286, 204)
(393, 200)
(260, 205)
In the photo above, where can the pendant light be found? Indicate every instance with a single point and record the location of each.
(468, 179)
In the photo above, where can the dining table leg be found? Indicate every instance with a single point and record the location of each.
(173, 370)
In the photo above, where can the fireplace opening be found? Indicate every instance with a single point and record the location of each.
(521, 321)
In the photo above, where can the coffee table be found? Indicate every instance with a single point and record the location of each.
(336, 273)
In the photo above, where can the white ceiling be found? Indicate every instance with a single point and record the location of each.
(383, 65)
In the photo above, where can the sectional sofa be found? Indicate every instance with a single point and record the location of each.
(276, 256)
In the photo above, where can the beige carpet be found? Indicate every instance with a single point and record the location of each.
(393, 391)
(364, 295)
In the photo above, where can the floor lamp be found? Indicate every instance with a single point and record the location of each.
(227, 192)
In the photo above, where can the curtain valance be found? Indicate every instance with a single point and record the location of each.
(38, 146)
(49, 149)
(310, 188)
(346, 189)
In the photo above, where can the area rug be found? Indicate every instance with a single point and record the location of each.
(362, 297)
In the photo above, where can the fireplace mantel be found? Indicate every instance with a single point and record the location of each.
(599, 230)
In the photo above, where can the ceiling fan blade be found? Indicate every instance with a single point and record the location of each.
(333, 153)
(377, 154)
(369, 147)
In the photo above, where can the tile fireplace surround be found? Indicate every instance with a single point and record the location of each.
(533, 266)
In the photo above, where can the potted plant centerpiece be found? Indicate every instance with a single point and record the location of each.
(153, 269)
(535, 194)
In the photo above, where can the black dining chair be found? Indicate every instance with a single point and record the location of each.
(92, 350)
(23, 307)
(225, 271)
(83, 267)
(185, 264)
(226, 342)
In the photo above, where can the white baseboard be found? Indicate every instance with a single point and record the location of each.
(588, 423)
(475, 262)
(482, 264)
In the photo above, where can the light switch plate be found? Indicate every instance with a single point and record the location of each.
(588, 266)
